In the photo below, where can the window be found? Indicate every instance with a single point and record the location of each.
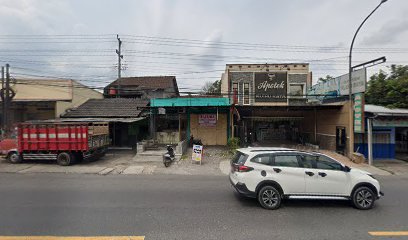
(308, 161)
(262, 159)
(296, 90)
(246, 93)
(327, 163)
(286, 161)
(235, 92)
(239, 158)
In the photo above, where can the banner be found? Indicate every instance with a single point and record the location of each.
(207, 120)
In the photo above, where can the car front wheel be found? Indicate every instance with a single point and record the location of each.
(363, 198)
(269, 198)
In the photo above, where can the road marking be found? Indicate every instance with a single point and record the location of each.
(72, 238)
(386, 234)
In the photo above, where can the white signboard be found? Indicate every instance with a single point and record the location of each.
(207, 120)
(197, 153)
(340, 85)
(358, 81)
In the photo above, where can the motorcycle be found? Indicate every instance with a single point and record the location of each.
(169, 156)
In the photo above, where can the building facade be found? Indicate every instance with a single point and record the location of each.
(271, 105)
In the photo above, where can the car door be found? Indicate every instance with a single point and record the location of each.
(327, 177)
(289, 173)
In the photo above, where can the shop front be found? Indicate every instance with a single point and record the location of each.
(271, 107)
(183, 119)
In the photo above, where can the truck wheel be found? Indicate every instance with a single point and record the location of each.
(64, 159)
(14, 157)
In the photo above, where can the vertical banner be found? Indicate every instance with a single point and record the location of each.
(359, 113)
(197, 155)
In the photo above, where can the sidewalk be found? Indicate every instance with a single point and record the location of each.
(216, 162)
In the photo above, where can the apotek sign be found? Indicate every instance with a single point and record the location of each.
(271, 87)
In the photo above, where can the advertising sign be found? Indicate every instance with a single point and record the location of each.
(358, 113)
(197, 153)
(207, 120)
(340, 85)
(358, 82)
(271, 87)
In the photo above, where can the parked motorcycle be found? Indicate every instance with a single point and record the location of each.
(169, 156)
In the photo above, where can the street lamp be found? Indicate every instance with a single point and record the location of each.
(351, 109)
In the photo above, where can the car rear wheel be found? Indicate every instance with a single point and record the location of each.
(269, 198)
(363, 198)
(14, 157)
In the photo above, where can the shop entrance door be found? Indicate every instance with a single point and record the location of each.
(341, 139)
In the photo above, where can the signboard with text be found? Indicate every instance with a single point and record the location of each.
(197, 155)
(340, 85)
(359, 113)
(271, 87)
(207, 120)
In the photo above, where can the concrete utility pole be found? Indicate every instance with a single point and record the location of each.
(118, 52)
(351, 107)
(3, 108)
(6, 100)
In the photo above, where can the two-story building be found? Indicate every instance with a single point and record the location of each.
(271, 106)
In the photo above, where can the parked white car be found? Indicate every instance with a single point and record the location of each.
(271, 174)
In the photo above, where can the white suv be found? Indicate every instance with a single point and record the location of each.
(270, 174)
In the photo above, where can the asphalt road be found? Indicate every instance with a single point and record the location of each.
(182, 207)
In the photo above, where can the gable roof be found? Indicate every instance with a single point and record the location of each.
(108, 107)
(148, 82)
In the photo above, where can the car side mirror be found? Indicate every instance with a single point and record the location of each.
(347, 169)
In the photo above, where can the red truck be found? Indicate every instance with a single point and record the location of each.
(65, 142)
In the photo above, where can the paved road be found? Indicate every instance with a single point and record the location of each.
(181, 207)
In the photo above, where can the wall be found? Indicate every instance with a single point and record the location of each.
(210, 135)
(327, 121)
(383, 143)
(244, 73)
(80, 94)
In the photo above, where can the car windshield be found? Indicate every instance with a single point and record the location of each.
(239, 158)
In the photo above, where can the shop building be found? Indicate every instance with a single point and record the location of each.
(271, 106)
(389, 133)
(180, 119)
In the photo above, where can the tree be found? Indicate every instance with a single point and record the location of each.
(212, 88)
(325, 79)
(389, 90)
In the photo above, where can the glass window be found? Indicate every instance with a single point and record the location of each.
(246, 93)
(239, 158)
(307, 161)
(262, 159)
(286, 161)
(324, 162)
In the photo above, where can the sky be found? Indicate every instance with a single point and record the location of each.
(194, 39)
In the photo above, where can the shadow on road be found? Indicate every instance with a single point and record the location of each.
(252, 202)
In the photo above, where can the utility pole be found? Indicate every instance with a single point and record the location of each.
(2, 102)
(118, 52)
(6, 100)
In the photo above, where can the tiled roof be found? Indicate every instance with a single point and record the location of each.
(150, 82)
(109, 107)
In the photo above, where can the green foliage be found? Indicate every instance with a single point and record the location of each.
(389, 90)
(325, 79)
(233, 144)
(212, 88)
